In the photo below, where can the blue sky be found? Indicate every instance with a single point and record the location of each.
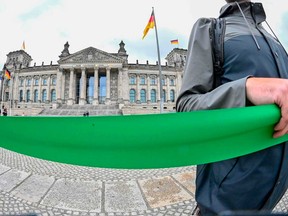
(46, 25)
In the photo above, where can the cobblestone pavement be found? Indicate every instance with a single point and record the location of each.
(34, 186)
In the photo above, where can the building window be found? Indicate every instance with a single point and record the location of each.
(29, 82)
(54, 81)
(172, 82)
(21, 82)
(45, 81)
(172, 95)
(21, 95)
(153, 81)
(132, 80)
(143, 95)
(36, 95)
(164, 96)
(163, 82)
(36, 82)
(153, 96)
(53, 95)
(44, 95)
(28, 95)
(142, 81)
(132, 95)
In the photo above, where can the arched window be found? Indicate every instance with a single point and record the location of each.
(28, 95)
(44, 95)
(53, 95)
(36, 95)
(21, 96)
(132, 96)
(172, 95)
(153, 96)
(36, 82)
(143, 95)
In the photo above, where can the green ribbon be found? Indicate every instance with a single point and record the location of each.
(144, 141)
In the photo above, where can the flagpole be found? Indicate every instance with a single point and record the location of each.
(2, 99)
(11, 95)
(159, 64)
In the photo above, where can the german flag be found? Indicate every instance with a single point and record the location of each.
(7, 74)
(150, 24)
(174, 41)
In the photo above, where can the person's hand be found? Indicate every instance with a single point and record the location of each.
(261, 91)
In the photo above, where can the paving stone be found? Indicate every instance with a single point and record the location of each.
(11, 179)
(77, 190)
(123, 197)
(74, 195)
(163, 191)
(187, 180)
(3, 168)
(33, 188)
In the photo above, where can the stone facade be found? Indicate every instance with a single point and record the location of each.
(92, 77)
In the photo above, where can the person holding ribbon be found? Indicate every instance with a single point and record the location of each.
(255, 72)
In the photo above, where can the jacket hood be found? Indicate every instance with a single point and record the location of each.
(250, 9)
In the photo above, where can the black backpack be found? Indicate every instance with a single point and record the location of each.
(217, 33)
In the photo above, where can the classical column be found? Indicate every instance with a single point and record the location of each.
(148, 90)
(63, 87)
(125, 86)
(71, 87)
(40, 90)
(158, 92)
(24, 90)
(82, 100)
(96, 83)
(48, 89)
(178, 83)
(107, 85)
(15, 86)
(137, 88)
(58, 85)
(168, 89)
(32, 88)
(120, 86)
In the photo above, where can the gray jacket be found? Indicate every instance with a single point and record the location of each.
(259, 180)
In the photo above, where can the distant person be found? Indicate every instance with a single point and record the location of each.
(5, 111)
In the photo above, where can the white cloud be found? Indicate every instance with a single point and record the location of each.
(46, 25)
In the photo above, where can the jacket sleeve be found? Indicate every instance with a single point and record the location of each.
(197, 91)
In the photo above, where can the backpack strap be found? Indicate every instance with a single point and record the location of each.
(217, 33)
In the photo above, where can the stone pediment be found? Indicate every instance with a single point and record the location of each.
(91, 54)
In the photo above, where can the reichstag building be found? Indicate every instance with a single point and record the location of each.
(91, 80)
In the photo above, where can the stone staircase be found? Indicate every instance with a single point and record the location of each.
(79, 110)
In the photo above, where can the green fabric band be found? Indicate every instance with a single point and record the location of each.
(144, 141)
